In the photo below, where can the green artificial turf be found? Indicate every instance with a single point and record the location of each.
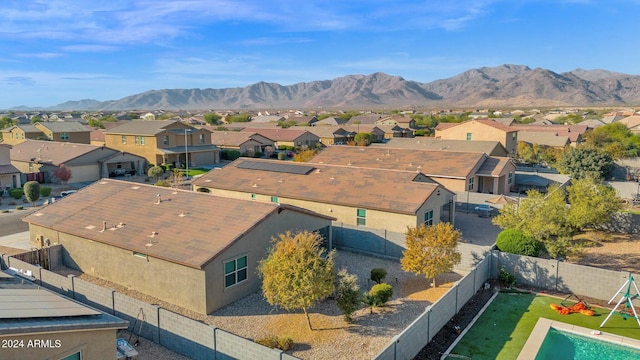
(503, 329)
(196, 171)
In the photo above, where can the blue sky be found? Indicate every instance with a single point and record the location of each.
(59, 50)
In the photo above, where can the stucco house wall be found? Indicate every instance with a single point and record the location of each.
(94, 344)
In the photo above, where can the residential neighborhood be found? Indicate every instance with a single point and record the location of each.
(192, 236)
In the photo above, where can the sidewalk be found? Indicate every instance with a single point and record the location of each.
(17, 241)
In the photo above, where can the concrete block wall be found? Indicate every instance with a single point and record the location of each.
(23, 267)
(531, 271)
(412, 339)
(186, 336)
(363, 239)
(130, 309)
(471, 255)
(93, 295)
(590, 281)
(239, 348)
(55, 257)
(58, 283)
(482, 272)
(442, 311)
(388, 353)
(464, 291)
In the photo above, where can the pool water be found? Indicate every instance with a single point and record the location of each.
(562, 345)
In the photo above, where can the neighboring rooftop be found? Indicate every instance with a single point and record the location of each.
(54, 152)
(431, 143)
(141, 127)
(63, 126)
(278, 134)
(393, 191)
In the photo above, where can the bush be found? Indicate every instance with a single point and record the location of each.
(379, 295)
(275, 342)
(230, 154)
(516, 242)
(16, 193)
(378, 275)
(282, 156)
(44, 191)
(163, 183)
(506, 278)
(19, 207)
(348, 295)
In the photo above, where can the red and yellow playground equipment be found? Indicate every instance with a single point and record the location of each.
(579, 307)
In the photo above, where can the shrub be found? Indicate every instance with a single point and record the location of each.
(19, 207)
(516, 242)
(282, 156)
(230, 154)
(379, 295)
(16, 193)
(163, 183)
(506, 278)
(348, 295)
(378, 275)
(276, 342)
(44, 191)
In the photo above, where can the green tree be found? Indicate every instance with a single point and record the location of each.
(212, 118)
(304, 155)
(239, 118)
(348, 295)
(297, 272)
(516, 242)
(364, 138)
(35, 119)
(431, 250)
(592, 203)
(6, 122)
(32, 191)
(155, 172)
(585, 161)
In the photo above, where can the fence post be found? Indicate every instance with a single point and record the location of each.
(73, 286)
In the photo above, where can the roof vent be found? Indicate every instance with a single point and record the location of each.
(104, 226)
(317, 170)
(158, 199)
(254, 185)
(153, 234)
(120, 225)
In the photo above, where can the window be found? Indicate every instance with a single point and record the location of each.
(235, 271)
(428, 218)
(30, 167)
(74, 356)
(64, 136)
(468, 136)
(22, 136)
(471, 180)
(141, 140)
(274, 199)
(361, 217)
(124, 139)
(201, 138)
(253, 196)
(165, 140)
(141, 255)
(510, 177)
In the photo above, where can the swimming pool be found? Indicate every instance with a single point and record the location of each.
(563, 345)
(557, 340)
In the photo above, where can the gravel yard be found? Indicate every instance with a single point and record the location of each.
(332, 338)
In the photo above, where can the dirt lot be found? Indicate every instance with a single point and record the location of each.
(611, 251)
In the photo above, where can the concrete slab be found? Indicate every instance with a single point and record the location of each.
(475, 229)
(18, 240)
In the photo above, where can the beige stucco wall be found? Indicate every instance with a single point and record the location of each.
(347, 214)
(479, 132)
(17, 136)
(147, 151)
(254, 245)
(451, 184)
(171, 282)
(94, 344)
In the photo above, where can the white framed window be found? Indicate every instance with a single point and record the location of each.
(428, 218)
(471, 183)
(165, 140)
(361, 217)
(510, 178)
(64, 136)
(124, 139)
(469, 136)
(201, 138)
(235, 271)
(141, 140)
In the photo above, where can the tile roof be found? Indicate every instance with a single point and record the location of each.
(488, 122)
(365, 119)
(63, 126)
(431, 143)
(141, 127)
(27, 128)
(8, 169)
(328, 131)
(191, 228)
(50, 151)
(450, 164)
(543, 138)
(493, 166)
(230, 138)
(278, 134)
(574, 132)
(392, 191)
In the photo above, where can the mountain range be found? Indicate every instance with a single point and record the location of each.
(500, 86)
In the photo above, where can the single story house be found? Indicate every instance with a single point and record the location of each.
(245, 142)
(287, 137)
(39, 159)
(455, 170)
(332, 135)
(374, 198)
(191, 249)
(491, 148)
(40, 324)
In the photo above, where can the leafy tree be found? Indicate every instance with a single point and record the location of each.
(239, 118)
(268, 151)
(304, 155)
(166, 116)
(516, 242)
(585, 161)
(615, 139)
(176, 177)
(378, 295)
(62, 173)
(297, 272)
(212, 118)
(44, 191)
(32, 191)
(592, 203)
(364, 138)
(35, 119)
(6, 122)
(155, 172)
(538, 215)
(378, 274)
(348, 296)
(431, 250)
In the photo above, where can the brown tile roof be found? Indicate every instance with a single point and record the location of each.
(574, 132)
(230, 138)
(493, 166)
(191, 228)
(488, 122)
(277, 134)
(141, 127)
(431, 143)
(8, 169)
(50, 151)
(543, 138)
(392, 191)
(451, 164)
